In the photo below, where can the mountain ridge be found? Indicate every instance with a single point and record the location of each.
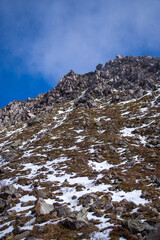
(130, 76)
(82, 160)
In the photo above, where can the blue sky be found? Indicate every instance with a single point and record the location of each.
(42, 40)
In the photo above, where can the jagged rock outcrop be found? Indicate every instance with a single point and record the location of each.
(121, 79)
(80, 162)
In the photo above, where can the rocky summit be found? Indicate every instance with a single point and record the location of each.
(82, 161)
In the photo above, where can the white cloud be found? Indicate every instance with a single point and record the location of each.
(52, 37)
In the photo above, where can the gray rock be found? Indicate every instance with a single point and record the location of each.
(86, 199)
(154, 234)
(112, 148)
(76, 222)
(74, 197)
(135, 226)
(33, 121)
(10, 189)
(42, 207)
(2, 171)
(120, 210)
(41, 194)
(115, 98)
(98, 124)
(148, 57)
(145, 193)
(31, 115)
(22, 235)
(61, 210)
(99, 66)
(16, 144)
(108, 206)
(9, 155)
(25, 204)
(97, 214)
(119, 57)
(2, 205)
(17, 230)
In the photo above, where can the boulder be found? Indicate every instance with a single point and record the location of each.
(108, 206)
(9, 190)
(43, 208)
(154, 234)
(33, 121)
(119, 57)
(78, 221)
(99, 66)
(31, 115)
(87, 199)
(22, 235)
(136, 226)
(16, 144)
(41, 194)
(61, 210)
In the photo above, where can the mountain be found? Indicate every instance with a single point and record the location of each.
(82, 160)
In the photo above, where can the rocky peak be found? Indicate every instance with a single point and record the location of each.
(81, 161)
(121, 79)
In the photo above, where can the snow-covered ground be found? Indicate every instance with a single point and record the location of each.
(50, 162)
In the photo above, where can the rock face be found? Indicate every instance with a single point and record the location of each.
(122, 79)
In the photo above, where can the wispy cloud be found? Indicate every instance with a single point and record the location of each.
(51, 37)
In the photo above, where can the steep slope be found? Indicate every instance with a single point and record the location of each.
(82, 160)
(119, 80)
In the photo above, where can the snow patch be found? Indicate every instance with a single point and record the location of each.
(101, 235)
(100, 166)
(27, 198)
(6, 231)
(83, 93)
(134, 196)
(127, 132)
(18, 208)
(80, 139)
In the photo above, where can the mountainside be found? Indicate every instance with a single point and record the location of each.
(82, 160)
